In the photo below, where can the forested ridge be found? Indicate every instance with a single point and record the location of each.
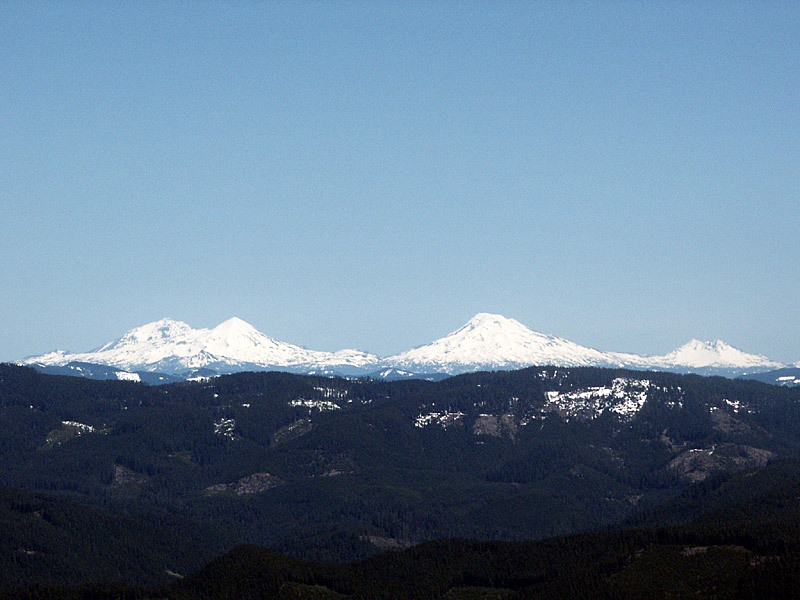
(114, 480)
(739, 553)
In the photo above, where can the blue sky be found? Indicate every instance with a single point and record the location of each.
(370, 175)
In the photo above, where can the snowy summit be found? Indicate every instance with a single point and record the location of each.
(489, 341)
(698, 354)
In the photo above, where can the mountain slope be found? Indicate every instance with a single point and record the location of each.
(52, 540)
(743, 554)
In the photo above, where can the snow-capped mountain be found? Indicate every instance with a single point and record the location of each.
(696, 354)
(485, 342)
(490, 341)
(173, 347)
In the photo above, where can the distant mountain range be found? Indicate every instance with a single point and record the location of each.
(166, 350)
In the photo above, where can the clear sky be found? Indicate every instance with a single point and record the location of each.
(371, 175)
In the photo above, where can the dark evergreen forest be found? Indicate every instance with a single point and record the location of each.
(411, 489)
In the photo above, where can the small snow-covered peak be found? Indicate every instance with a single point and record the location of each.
(484, 319)
(151, 333)
(57, 357)
(484, 324)
(493, 323)
(696, 345)
(238, 339)
(163, 327)
(235, 333)
(235, 326)
(698, 354)
(354, 357)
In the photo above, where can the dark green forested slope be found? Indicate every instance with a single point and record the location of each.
(264, 458)
(770, 493)
(745, 556)
(57, 541)
(746, 547)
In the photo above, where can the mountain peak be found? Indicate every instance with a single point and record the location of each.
(488, 317)
(496, 329)
(491, 341)
(238, 338)
(165, 324)
(715, 344)
(235, 325)
(491, 320)
(151, 333)
(698, 354)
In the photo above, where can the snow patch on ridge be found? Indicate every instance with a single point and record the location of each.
(79, 426)
(625, 397)
(125, 376)
(322, 405)
(226, 428)
(442, 419)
